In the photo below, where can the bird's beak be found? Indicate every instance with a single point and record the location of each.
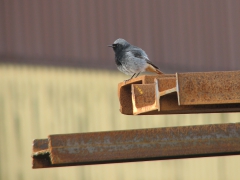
(110, 45)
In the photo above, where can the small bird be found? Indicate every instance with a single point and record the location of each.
(132, 60)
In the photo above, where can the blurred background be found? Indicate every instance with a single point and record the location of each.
(57, 75)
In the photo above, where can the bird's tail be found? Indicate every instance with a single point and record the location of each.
(159, 72)
(152, 68)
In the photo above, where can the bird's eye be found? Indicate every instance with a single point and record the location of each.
(115, 45)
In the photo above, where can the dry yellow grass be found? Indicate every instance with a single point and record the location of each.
(37, 101)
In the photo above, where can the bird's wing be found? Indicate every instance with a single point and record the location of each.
(149, 62)
(142, 55)
(139, 54)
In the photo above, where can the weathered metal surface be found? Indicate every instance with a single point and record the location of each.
(164, 86)
(40, 154)
(125, 95)
(143, 98)
(144, 144)
(209, 88)
(169, 105)
(146, 97)
(165, 83)
(209, 92)
(40, 144)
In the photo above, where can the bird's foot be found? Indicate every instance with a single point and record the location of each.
(131, 77)
(127, 80)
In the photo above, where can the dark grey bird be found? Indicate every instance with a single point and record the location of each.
(132, 60)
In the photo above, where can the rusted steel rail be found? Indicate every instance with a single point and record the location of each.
(136, 145)
(181, 93)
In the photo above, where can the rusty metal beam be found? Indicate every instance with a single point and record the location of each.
(145, 103)
(207, 92)
(124, 91)
(208, 87)
(136, 145)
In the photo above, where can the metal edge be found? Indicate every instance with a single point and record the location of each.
(177, 89)
(157, 96)
(135, 109)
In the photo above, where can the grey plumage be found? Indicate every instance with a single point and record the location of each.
(132, 60)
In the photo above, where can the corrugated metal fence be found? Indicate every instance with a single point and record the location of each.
(178, 35)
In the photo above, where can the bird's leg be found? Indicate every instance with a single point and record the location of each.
(130, 78)
(137, 75)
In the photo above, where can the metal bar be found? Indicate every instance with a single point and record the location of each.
(209, 88)
(169, 105)
(183, 93)
(40, 154)
(124, 91)
(145, 101)
(139, 145)
(146, 97)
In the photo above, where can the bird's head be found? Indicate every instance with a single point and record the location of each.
(119, 45)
